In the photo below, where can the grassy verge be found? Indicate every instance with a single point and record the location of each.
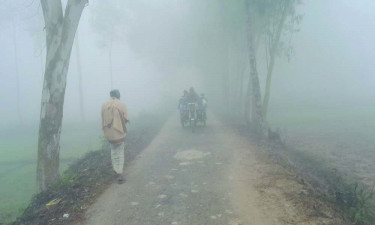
(354, 200)
(87, 178)
(18, 148)
(334, 157)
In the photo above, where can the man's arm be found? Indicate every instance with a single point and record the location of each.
(125, 113)
(102, 114)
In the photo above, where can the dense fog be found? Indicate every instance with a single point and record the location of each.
(314, 60)
(332, 67)
(161, 48)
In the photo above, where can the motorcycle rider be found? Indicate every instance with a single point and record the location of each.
(193, 97)
(204, 102)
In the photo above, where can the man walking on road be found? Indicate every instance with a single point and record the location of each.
(114, 119)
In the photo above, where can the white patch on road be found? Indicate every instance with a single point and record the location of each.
(235, 222)
(213, 217)
(183, 195)
(194, 191)
(162, 196)
(169, 177)
(134, 203)
(186, 163)
(190, 155)
(228, 211)
(161, 214)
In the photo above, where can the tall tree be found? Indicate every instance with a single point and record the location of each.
(60, 31)
(16, 68)
(277, 17)
(272, 46)
(254, 96)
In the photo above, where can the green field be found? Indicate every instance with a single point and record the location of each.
(18, 151)
(18, 154)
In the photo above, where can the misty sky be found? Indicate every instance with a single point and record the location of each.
(333, 54)
(153, 46)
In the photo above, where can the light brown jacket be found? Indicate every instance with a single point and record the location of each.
(114, 119)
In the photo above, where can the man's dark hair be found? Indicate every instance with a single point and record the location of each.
(115, 94)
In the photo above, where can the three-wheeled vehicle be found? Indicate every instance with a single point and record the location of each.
(192, 116)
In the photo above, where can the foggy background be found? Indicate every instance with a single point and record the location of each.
(324, 95)
(154, 50)
(332, 68)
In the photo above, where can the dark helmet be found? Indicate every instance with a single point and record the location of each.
(191, 90)
(202, 95)
(115, 94)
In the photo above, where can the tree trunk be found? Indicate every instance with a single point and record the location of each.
(240, 97)
(79, 70)
(225, 90)
(240, 89)
(41, 66)
(267, 90)
(257, 121)
(60, 32)
(273, 51)
(248, 105)
(225, 83)
(17, 71)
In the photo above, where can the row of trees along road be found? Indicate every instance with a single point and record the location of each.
(269, 27)
(258, 24)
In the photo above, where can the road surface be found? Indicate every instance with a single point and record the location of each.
(213, 176)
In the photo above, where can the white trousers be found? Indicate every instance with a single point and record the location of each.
(117, 157)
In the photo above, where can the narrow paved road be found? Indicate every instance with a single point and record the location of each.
(209, 177)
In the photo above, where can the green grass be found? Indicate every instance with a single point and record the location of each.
(18, 150)
(16, 188)
(90, 175)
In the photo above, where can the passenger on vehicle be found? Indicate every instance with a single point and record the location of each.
(204, 101)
